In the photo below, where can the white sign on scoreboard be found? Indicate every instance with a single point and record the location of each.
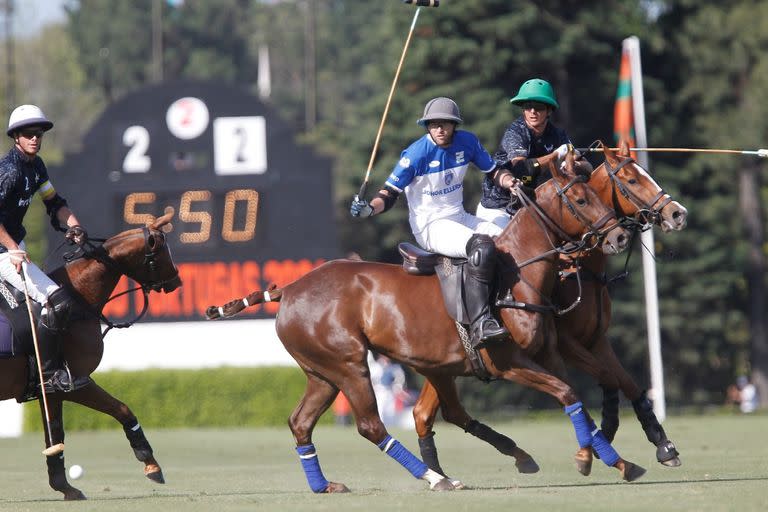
(240, 145)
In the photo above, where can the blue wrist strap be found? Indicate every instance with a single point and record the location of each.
(311, 467)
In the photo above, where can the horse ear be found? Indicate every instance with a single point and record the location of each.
(624, 147)
(164, 223)
(610, 156)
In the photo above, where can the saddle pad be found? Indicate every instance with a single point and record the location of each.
(6, 338)
(13, 310)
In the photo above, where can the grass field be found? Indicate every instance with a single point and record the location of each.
(725, 467)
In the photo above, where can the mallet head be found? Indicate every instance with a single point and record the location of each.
(423, 3)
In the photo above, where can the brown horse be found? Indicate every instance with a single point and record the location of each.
(140, 254)
(581, 332)
(332, 316)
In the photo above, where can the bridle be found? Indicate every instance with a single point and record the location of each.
(589, 240)
(647, 211)
(153, 239)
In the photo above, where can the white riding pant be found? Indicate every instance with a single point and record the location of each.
(496, 215)
(39, 285)
(449, 236)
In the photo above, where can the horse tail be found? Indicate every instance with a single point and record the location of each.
(231, 308)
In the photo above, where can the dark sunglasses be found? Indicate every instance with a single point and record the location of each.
(538, 107)
(32, 132)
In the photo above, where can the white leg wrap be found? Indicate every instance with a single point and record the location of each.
(432, 477)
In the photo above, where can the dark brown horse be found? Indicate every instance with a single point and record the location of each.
(140, 254)
(332, 316)
(581, 332)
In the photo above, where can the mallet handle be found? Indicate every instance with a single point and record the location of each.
(760, 152)
(423, 3)
(364, 186)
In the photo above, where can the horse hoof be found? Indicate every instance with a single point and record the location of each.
(671, 463)
(443, 485)
(335, 487)
(583, 460)
(156, 476)
(668, 455)
(457, 484)
(632, 471)
(73, 494)
(527, 465)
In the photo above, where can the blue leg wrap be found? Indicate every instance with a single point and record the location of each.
(311, 467)
(604, 449)
(400, 453)
(580, 424)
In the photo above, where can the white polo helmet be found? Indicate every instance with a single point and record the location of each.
(440, 108)
(27, 115)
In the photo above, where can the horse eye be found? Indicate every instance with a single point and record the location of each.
(581, 201)
(633, 181)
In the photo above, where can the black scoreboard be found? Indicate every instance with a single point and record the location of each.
(252, 206)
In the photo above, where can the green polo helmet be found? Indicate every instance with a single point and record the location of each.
(536, 89)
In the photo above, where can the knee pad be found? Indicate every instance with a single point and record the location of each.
(481, 255)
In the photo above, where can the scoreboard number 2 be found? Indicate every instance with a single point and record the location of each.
(240, 145)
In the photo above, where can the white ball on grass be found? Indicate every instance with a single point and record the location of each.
(76, 472)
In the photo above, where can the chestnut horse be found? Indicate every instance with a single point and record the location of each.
(581, 331)
(142, 255)
(332, 316)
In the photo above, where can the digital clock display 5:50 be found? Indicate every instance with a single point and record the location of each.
(200, 217)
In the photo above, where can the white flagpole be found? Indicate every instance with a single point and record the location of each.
(632, 44)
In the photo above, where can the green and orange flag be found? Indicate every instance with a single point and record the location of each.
(623, 117)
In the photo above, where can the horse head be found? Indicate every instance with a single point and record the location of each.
(141, 254)
(621, 181)
(573, 210)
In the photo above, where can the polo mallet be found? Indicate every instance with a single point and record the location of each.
(762, 153)
(419, 4)
(53, 449)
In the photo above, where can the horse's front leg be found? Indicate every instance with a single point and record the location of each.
(666, 452)
(57, 476)
(95, 397)
(516, 366)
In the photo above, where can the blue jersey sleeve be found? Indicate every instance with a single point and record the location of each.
(404, 172)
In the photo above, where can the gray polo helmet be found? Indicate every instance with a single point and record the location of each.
(440, 108)
(27, 115)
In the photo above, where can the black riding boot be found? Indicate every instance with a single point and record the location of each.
(55, 315)
(56, 375)
(54, 320)
(478, 277)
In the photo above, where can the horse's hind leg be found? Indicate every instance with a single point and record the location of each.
(442, 391)
(359, 391)
(318, 396)
(95, 397)
(57, 477)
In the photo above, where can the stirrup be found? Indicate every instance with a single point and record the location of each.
(488, 330)
(60, 380)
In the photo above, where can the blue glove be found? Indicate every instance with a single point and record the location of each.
(360, 208)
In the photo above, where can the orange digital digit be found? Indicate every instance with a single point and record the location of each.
(129, 208)
(186, 214)
(251, 199)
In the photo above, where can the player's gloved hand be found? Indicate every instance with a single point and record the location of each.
(76, 235)
(360, 208)
(562, 151)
